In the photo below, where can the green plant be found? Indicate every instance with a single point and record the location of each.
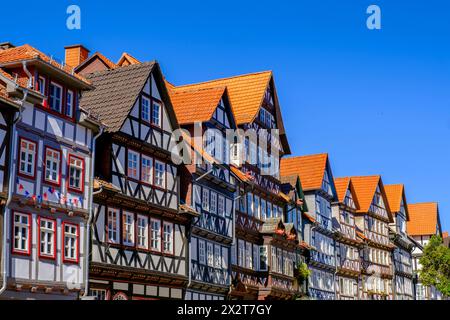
(302, 272)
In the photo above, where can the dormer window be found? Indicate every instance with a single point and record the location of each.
(55, 97)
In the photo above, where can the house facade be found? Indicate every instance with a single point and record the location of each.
(424, 222)
(208, 188)
(348, 245)
(139, 243)
(48, 208)
(402, 254)
(319, 190)
(372, 220)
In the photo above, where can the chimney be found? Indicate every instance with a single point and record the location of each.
(6, 45)
(75, 55)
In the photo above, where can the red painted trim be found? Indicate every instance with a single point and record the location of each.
(40, 254)
(77, 251)
(16, 251)
(81, 178)
(19, 173)
(55, 184)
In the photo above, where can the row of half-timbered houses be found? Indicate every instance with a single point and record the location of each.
(119, 185)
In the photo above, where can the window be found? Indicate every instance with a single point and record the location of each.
(249, 204)
(269, 210)
(27, 157)
(256, 207)
(55, 97)
(201, 252)
(221, 206)
(160, 174)
(52, 165)
(213, 208)
(113, 225)
(41, 85)
(248, 255)
(263, 258)
(210, 254)
(22, 233)
(145, 109)
(76, 168)
(241, 253)
(217, 257)
(133, 165)
(168, 238)
(46, 238)
(128, 228)
(69, 103)
(263, 209)
(142, 231)
(156, 114)
(70, 236)
(147, 169)
(99, 294)
(205, 199)
(155, 234)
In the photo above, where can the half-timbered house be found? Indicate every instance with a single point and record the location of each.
(402, 255)
(47, 214)
(348, 245)
(208, 187)
(139, 243)
(372, 220)
(424, 222)
(256, 109)
(318, 187)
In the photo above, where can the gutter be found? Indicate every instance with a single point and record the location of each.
(91, 214)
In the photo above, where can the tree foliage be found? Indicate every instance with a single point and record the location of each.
(435, 263)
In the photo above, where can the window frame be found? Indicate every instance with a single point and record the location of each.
(61, 111)
(138, 165)
(152, 169)
(159, 103)
(155, 162)
(172, 238)
(72, 103)
(14, 250)
(82, 177)
(118, 227)
(146, 232)
(59, 171)
(77, 243)
(42, 255)
(159, 238)
(19, 171)
(132, 244)
(141, 110)
(42, 90)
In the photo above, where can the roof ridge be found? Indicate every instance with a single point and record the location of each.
(121, 69)
(225, 78)
(306, 155)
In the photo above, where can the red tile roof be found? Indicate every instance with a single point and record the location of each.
(310, 168)
(444, 234)
(341, 185)
(423, 218)
(27, 52)
(127, 59)
(195, 105)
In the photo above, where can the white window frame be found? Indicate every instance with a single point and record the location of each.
(128, 229)
(217, 256)
(221, 206)
(53, 99)
(41, 85)
(168, 237)
(210, 254)
(47, 237)
(146, 164)
(155, 116)
(145, 109)
(213, 207)
(142, 232)
(113, 220)
(50, 162)
(205, 199)
(30, 157)
(70, 249)
(133, 164)
(77, 164)
(22, 233)
(160, 174)
(69, 103)
(201, 251)
(155, 235)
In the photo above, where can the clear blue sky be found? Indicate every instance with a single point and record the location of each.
(377, 101)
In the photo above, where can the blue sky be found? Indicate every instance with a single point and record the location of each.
(376, 100)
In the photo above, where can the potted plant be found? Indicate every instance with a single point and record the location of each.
(302, 272)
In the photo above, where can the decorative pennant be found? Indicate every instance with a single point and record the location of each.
(51, 190)
(26, 193)
(45, 196)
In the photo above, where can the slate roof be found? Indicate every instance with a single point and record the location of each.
(115, 92)
(423, 218)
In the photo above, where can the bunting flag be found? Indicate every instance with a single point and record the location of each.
(17, 180)
(51, 190)
(26, 193)
(33, 197)
(75, 201)
(21, 187)
(81, 201)
(45, 196)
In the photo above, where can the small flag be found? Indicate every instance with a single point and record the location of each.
(17, 180)
(26, 193)
(50, 189)
(75, 201)
(21, 187)
(33, 197)
(45, 196)
(81, 200)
